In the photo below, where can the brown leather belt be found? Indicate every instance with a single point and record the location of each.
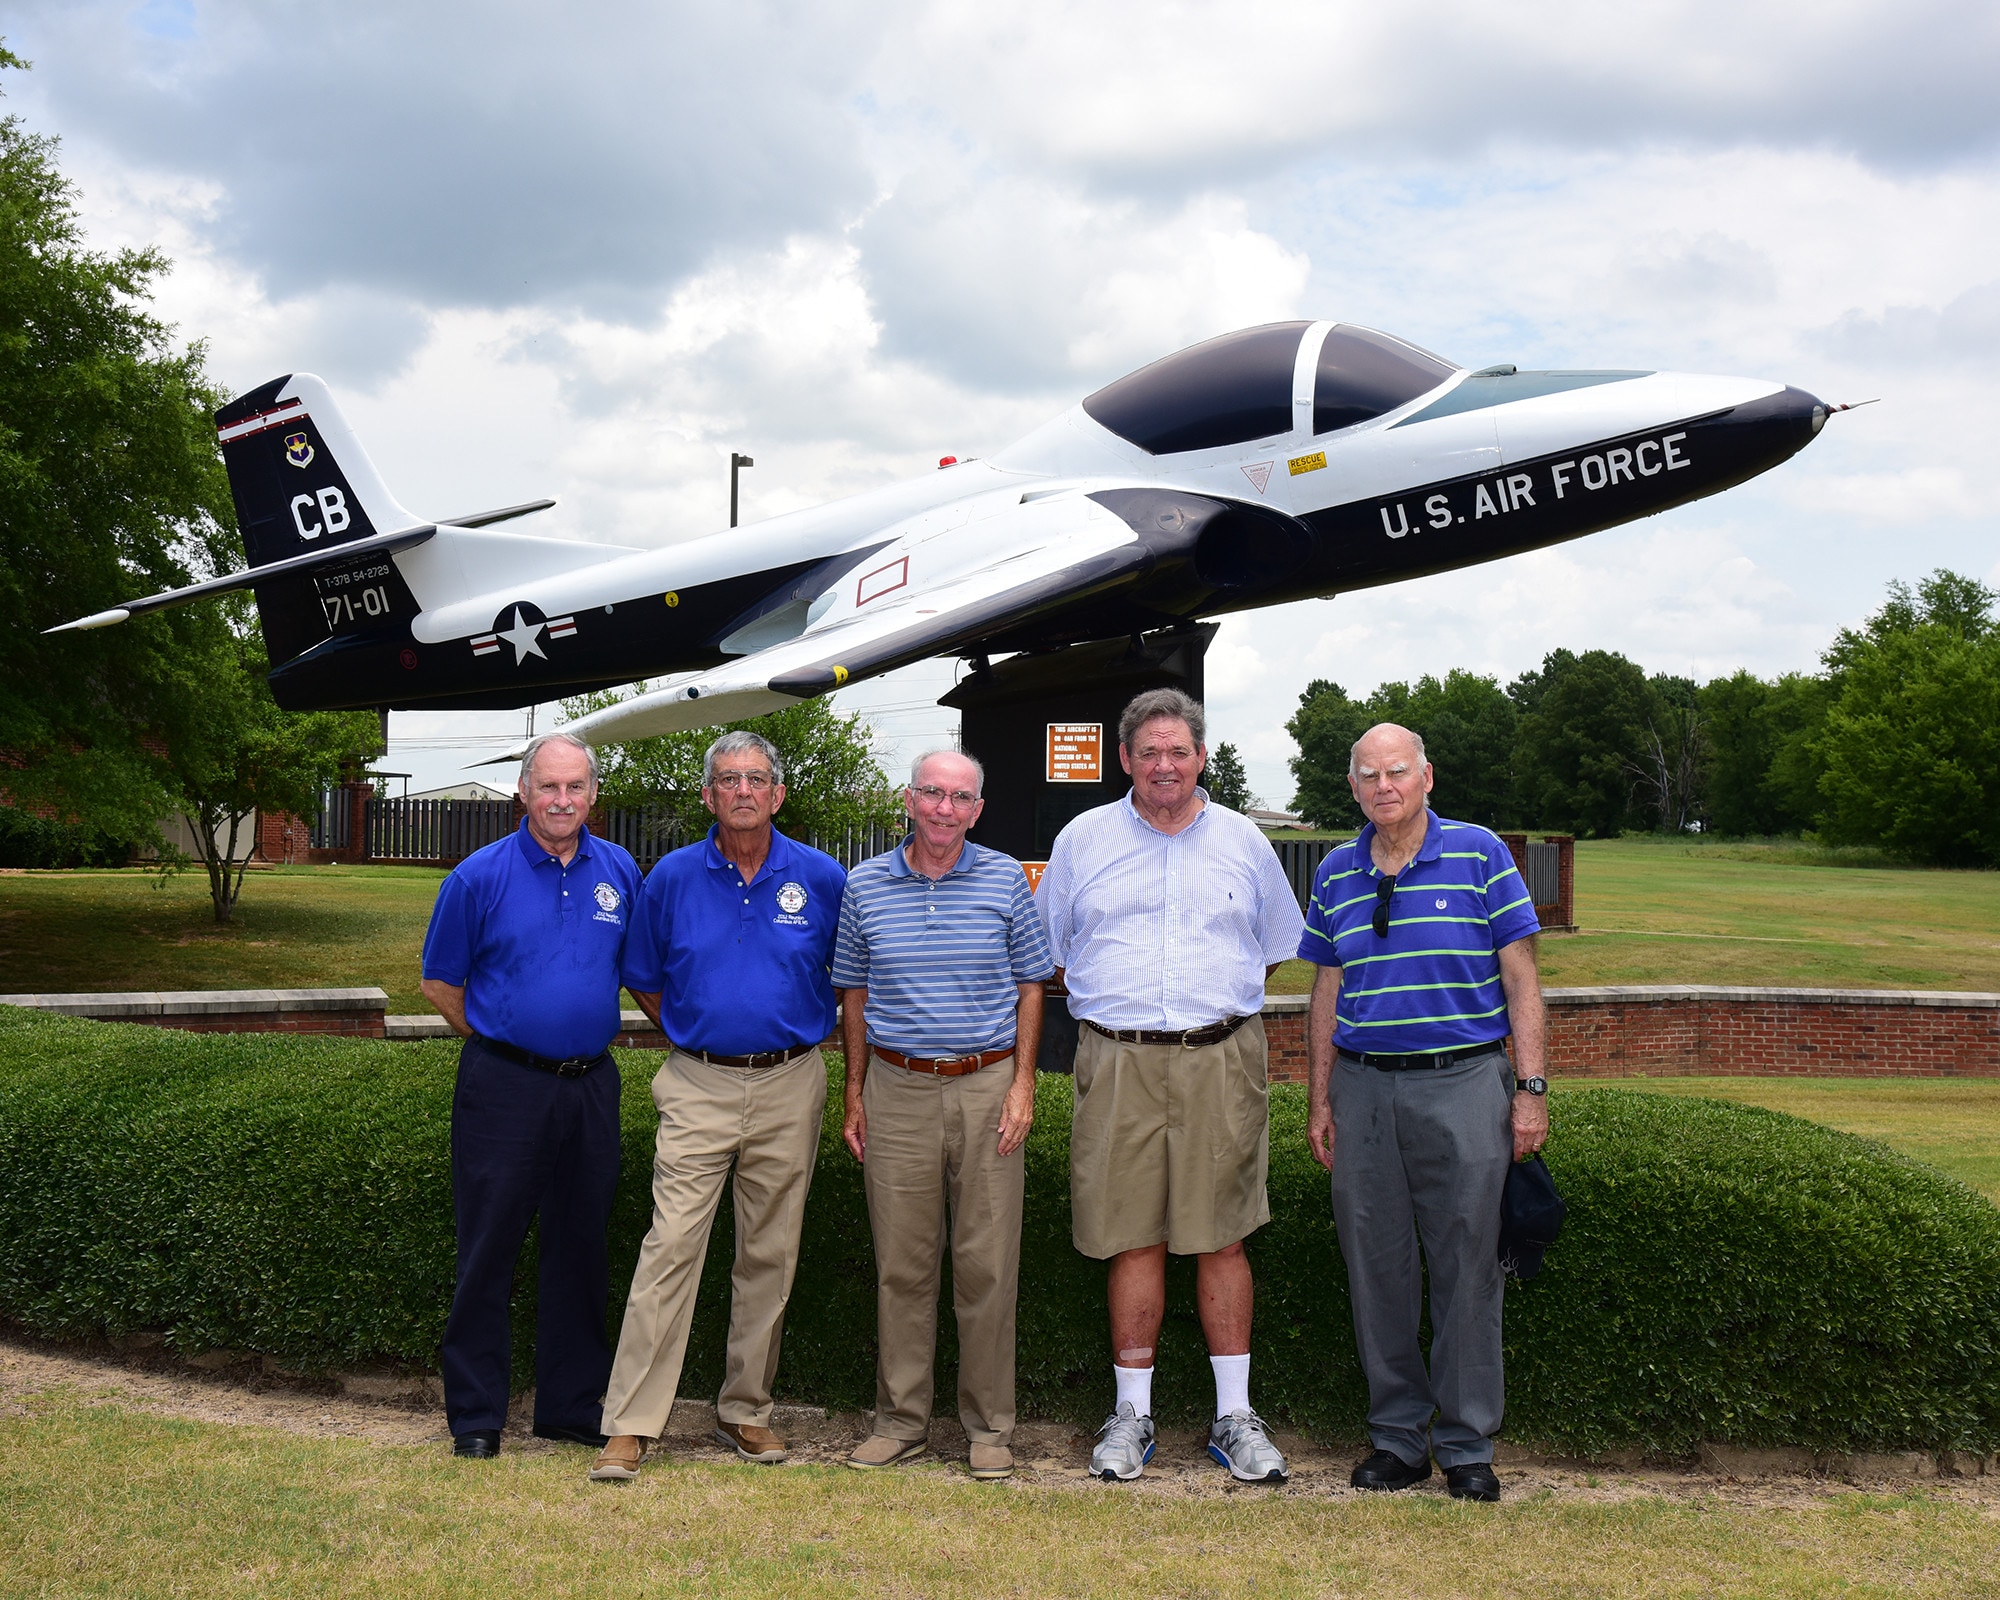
(1213, 1033)
(942, 1066)
(763, 1058)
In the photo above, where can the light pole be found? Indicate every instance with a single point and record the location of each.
(736, 463)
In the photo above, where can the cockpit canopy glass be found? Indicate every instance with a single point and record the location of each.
(1363, 373)
(1238, 387)
(1219, 392)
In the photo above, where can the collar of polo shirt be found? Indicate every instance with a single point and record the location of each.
(533, 853)
(899, 864)
(1429, 850)
(778, 856)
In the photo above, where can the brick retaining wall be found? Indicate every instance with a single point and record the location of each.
(1692, 1031)
(1665, 1031)
(358, 1012)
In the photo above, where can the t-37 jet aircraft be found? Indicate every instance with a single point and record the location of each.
(1271, 464)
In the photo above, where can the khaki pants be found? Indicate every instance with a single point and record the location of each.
(765, 1123)
(931, 1142)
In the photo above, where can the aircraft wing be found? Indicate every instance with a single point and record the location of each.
(1042, 554)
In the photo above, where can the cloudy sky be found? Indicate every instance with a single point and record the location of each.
(586, 251)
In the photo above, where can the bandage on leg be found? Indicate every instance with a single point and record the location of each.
(1134, 1357)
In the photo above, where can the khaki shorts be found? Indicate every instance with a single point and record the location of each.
(1170, 1143)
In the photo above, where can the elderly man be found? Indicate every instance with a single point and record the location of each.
(1166, 914)
(1415, 1107)
(729, 955)
(522, 960)
(941, 960)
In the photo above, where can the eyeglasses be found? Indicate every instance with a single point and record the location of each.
(755, 781)
(1385, 887)
(961, 799)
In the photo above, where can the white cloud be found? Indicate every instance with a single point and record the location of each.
(580, 253)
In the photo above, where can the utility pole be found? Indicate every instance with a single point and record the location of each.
(736, 464)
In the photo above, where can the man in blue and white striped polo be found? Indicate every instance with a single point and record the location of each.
(942, 957)
(1425, 937)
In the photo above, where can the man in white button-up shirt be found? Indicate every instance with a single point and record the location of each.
(1166, 913)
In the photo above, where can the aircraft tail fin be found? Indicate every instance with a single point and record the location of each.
(302, 485)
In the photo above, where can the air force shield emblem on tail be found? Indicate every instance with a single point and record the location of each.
(298, 449)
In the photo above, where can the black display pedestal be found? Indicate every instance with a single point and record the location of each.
(1006, 713)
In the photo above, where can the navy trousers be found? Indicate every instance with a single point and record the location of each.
(525, 1141)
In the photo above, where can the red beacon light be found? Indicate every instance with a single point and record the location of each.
(947, 461)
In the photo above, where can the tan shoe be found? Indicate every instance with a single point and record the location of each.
(879, 1450)
(618, 1461)
(750, 1442)
(991, 1462)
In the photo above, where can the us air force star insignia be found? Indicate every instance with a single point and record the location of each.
(607, 897)
(298, 449)
(522, 636)
(791, 899)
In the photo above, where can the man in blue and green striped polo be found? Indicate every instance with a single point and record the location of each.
(1424, 933)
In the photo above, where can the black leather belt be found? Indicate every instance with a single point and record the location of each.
(762, 1058)
(1213, 1033)
(567, 1067)
(1417, 1063)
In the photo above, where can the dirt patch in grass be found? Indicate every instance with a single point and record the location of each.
(1051, 1455)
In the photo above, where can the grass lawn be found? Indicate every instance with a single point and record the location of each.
(295, 928)
(1694, 911)
(101, 1499)
(1953, 1123)
(1651, 911)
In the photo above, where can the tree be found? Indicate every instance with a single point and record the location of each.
(1911, 743)
(832, 780)
(110, 486)
(1583, 722)
(1669, 775)
(239, 754)
(1225, 780)
(1467, 724)
(1325, 726)
(1763, 773)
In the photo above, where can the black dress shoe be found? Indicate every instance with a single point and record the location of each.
(1473, 1480)
(596, 1441)
(1387, 1470)
(481, 1444)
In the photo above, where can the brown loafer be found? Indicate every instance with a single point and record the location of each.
(618, 1461)
(879, 1450)
(750, 1442)
(991, 1462)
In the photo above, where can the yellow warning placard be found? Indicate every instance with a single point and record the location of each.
(1311, 463)
(1076, 752)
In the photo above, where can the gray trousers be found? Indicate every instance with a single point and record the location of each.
(1425, 1154)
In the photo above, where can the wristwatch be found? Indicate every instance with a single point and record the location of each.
(1531, 1085)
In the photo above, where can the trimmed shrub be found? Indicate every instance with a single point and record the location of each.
(1726, 1274)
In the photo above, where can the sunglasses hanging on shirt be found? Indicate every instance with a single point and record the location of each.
(1384, 887)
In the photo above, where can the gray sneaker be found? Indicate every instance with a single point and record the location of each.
(1240, 1443)
(1124, 1445)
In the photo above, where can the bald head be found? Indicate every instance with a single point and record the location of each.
(1384, 742)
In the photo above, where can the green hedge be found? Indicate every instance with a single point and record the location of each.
(1727, 1274)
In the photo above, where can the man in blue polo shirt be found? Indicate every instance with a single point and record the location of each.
(729, 955)
(522, 960)
(941, 958)
(1425, 938)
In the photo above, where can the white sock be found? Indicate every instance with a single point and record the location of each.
(1232, 1383)
(1135, 1386)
